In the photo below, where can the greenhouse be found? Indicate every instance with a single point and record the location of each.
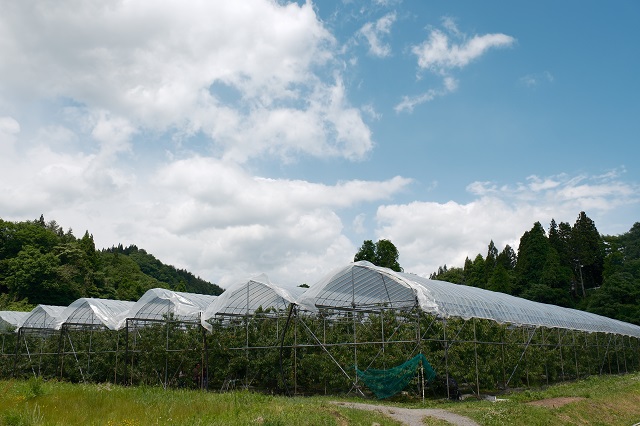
(42, 317)
(244, 299)
(347, 333)
(483, 338)
(10, 321)
(159, 304)
(362, 286)
(91, 312)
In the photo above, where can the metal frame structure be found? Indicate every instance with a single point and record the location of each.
(358, 316)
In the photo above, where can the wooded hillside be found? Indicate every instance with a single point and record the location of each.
(41, 263)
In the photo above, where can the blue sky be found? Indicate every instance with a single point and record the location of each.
(239, 138)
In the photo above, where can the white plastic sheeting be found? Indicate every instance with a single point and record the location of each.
(159, 304)
(245, 298)
(11, 320)
(43, 317)
(92, 311)
(362, 286)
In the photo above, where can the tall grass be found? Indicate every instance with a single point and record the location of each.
(604, 400)
(56, 403)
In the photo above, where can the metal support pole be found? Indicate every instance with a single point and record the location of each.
(126, 351)
(475, 350)
(446, 354)
(502, 343)
(624, 356)
(575, 354)
(384, 365)
(15, 359)
(598, 352)
(561, 358)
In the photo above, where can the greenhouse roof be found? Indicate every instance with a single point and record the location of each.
(246, 297)
(11, 320)
(91, 311)
(363, 286)
(43, 317)
(159, 303)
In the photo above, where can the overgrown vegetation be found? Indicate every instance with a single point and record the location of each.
(607, 400)
(67, 404)
(40, 263)
(602, 400)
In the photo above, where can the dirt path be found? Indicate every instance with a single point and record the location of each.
(412, 416)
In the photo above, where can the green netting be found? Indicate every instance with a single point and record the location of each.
(386, 383)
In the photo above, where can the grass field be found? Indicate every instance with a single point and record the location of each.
(607, 400)
(599, 400)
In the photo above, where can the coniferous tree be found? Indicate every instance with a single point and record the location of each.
(500, 280)
(532, 256)
(507, 258)
(475, 272)
(491, 260)
(588, 253)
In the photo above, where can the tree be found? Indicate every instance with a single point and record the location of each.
(532, 256)
(588, 253)
(619, 298)
(366, 252)
(383, 253)
(507, 258)
(474, 272)
(500, 280)
(491, 260)
(451, 275)
(34, 276)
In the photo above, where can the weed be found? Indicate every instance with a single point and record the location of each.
(35, 387)
(26, 417)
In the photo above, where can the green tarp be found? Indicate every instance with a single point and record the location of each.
(386, 383)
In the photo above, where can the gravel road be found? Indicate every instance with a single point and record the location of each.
(412, 416)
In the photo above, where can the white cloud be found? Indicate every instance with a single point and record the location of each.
(9, 128)
(408, 103)
(374, 31)
(430, 234)
(160, 66)
(207, 215)
(436, 53)
(440, 55)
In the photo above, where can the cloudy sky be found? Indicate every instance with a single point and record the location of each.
(237, 138)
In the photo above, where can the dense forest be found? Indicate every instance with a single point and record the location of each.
(40, 263)
(572, 266)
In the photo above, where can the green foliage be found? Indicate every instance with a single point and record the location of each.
(40, 263)
(175, 279)
(452, 275)
(474, 272)
(383, 253)
(572, 266)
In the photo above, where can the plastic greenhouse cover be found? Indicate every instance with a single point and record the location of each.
(91, 311)
(158, 303)
(246, 297)
(362, 285)
(43, 317)
(11, 320)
